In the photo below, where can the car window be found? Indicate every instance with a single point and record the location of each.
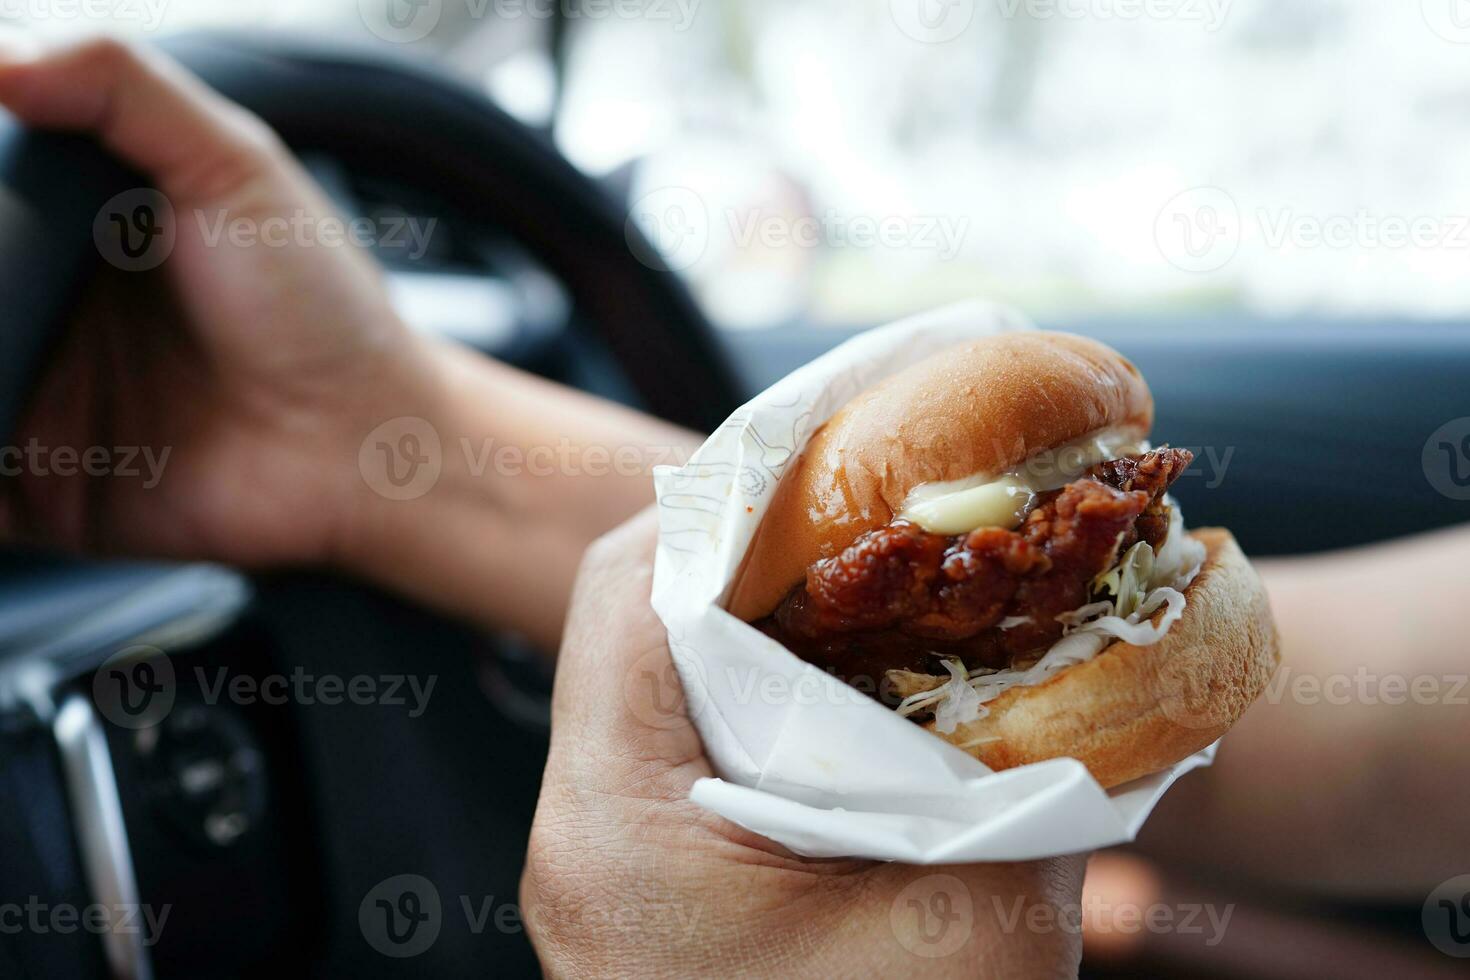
(845, 161)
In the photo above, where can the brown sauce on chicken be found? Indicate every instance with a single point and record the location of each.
(900, 597)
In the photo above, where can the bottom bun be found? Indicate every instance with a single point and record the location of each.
(1132, 710)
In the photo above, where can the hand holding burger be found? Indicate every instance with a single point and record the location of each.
(627, 877)
(985, 541)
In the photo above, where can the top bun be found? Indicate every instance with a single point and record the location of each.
(978, 408)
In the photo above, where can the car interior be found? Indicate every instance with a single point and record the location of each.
(262, 826)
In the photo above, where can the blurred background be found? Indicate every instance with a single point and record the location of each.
(1212, 175)
(854, 160)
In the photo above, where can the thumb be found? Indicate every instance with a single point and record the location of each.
(620, 713)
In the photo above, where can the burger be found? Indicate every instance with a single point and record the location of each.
(985, 541)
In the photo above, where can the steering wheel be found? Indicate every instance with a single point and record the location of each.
(416, 133)
(380, 119)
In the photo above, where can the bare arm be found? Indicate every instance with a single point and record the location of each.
(531, 473)
(1351, 774)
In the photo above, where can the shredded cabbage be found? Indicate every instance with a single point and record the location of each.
(1125, 599)
(1128, 581)
(1136, 627)
(961, 702)
(1082, 614)
(1181, 556)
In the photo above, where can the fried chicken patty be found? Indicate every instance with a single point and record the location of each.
(899, 595)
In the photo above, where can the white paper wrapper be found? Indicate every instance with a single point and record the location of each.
(804, 759)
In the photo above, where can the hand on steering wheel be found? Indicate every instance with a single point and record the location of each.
(253, 368)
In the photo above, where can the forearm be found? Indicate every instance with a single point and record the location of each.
(1349, 775)
(529, 473)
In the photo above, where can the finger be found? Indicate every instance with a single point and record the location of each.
(142, 106)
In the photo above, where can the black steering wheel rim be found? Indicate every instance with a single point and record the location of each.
(386, 118)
